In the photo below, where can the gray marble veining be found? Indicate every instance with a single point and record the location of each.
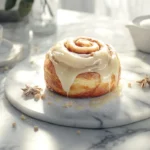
(50, 136)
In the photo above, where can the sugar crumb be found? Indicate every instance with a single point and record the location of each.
(36, 128)
(78, 132)
(14, 124)
(68, 105)
(23, 117)
(37, 96)
(129, 85)
(43, 96)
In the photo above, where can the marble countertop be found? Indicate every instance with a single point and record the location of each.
(54, 137)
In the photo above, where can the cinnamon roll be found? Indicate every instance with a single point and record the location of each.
(81, 67)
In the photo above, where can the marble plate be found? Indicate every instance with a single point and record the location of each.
(123, 106)
(9, 52)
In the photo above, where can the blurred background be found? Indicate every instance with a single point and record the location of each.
(128, 9)
(45, 17)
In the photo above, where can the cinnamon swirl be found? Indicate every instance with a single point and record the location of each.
(81, 67)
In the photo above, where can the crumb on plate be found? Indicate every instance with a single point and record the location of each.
(14, 124)
(78, 132)
(37, 96)
(36, 128)
(43, 96)
(129, 85)
(23, 117)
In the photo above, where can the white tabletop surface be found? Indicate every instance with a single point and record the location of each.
(54, 137)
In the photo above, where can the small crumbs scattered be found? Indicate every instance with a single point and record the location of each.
(37, 96)
(14, 124)
(23, 117)
(43, 96)
(129, 85)
(36, 128)
(78, 132)
(144, 82)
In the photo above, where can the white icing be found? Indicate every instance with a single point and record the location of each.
(68, 64)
